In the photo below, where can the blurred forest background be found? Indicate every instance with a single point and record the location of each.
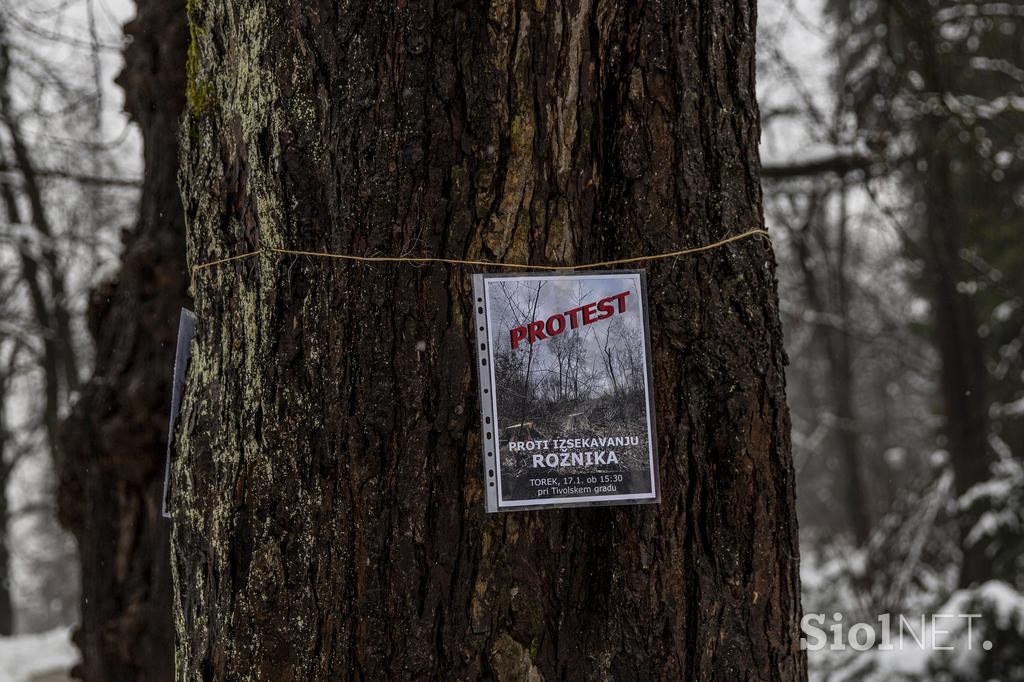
(893, 154)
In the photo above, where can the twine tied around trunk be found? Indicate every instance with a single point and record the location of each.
(269, 250)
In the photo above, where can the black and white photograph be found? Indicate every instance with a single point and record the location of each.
(571, 392)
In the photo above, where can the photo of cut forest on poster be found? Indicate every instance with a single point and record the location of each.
(570, 371)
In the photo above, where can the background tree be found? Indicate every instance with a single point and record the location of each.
(110, 485)
(329, 514)
(64, 181)
(12, 352)
(826, 285)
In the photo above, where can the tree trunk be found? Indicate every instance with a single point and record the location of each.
(834, 336)
(53, 344)
(6, 602)
(329, 505)
(110, 481)
(963, 377)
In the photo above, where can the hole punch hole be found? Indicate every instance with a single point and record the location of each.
(487, 420)
(484, 361)
(488, 435)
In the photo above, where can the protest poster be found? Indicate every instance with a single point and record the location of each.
(565, 389)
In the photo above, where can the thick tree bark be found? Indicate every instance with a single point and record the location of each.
(329, 507)
(110, 481)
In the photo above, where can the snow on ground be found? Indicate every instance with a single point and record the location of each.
(37, 657)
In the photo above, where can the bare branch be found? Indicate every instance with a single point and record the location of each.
(82, 178)
(838, 164)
